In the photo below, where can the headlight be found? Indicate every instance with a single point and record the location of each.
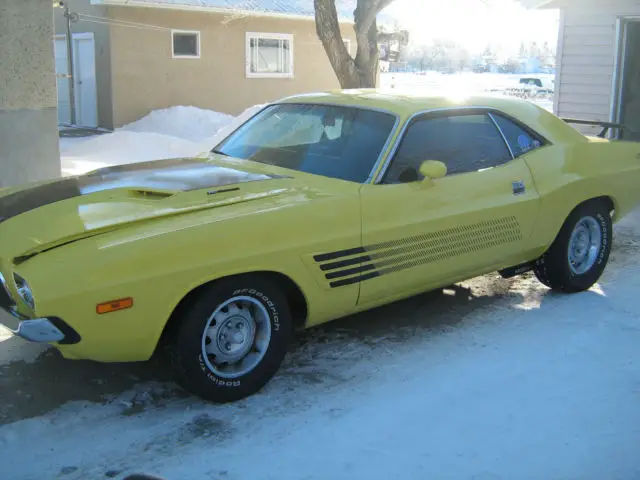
(24, 290)
(5, 294)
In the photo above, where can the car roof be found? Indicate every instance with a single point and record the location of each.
(403, 102)
(406, 103)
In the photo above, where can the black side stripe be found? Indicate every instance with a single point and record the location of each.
(409, 252)
(352, 280)
(345, 263)
(350, 271)
(342, 253)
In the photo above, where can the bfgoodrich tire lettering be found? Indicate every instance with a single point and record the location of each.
(554, 269)
(198, 373)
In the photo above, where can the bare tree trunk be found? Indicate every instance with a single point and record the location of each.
(328, 29)
(361, 71)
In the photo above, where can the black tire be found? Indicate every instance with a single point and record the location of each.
(192, 370)
(553, 268)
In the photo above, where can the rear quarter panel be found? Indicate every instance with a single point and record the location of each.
(566, 175)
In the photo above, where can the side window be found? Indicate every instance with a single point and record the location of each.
(464, 143)
(520, 141)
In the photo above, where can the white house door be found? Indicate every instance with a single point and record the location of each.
(86, 99)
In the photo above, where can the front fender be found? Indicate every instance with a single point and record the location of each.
(159, 262)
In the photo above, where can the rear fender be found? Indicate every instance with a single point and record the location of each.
(566, 176)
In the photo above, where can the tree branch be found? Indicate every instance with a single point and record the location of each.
(328, 30)
(367, 11)
(361, 71)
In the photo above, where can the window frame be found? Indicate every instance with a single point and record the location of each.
(457, 111)
(182, 32)
(268, 36)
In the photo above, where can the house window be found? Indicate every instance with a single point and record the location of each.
(269, 55)
(185, 44)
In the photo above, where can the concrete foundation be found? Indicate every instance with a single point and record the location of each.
(29, 148)
(29, 140)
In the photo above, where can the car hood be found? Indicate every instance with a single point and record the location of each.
(37, 217)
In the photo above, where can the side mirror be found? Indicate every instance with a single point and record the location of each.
(432, 169)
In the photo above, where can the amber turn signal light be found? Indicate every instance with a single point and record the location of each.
(114, 305)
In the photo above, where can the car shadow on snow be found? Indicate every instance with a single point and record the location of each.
(34, 388)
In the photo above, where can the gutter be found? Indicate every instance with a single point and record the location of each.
(206, 9)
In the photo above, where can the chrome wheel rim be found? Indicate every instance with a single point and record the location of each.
(584, 245)
(236, 337)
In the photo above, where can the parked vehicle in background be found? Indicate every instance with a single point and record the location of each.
(532, 88)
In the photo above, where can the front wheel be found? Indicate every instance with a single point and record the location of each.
(233, 339)
(578, 256)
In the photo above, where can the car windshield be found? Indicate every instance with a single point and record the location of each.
(333, 141)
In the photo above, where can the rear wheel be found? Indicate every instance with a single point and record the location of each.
(578, 256)
(233, 339)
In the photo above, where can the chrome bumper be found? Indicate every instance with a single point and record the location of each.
(38, 330)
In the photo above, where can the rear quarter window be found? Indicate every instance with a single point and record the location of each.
(520, 140)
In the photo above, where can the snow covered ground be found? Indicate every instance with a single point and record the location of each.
(489, 379)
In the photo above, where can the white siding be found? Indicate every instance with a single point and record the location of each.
(586, 58)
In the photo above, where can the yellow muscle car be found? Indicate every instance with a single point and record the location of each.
(319, 206)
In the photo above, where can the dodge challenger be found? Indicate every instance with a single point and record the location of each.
(319, 206)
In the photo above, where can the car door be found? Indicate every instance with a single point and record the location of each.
(419, 234)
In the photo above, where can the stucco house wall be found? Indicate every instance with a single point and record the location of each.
(28, 102)
(146, 77)
(136, 71)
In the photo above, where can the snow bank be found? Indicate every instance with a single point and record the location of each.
(122, 147)
(223, 132)
(169, 133)
(188, 123)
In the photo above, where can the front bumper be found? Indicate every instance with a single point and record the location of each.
(38, 330)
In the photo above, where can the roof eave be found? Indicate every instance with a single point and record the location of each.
(195, 8)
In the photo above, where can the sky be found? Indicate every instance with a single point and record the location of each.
(475, 23)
